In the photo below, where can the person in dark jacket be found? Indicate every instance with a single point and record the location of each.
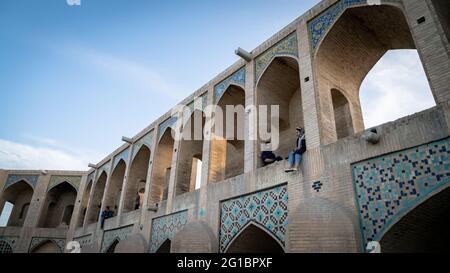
(295, 156)
(268, 156)
(105, 215)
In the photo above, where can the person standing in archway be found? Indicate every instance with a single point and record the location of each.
(295, 156)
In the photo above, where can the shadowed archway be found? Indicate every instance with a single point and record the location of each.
(58, 206)
(165, 247)
(254, 239)
(19, 195)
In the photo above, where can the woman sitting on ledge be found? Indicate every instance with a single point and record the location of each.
(295, 156)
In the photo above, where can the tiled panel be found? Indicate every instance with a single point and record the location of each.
(388, 186)
(287, 46)
(57, 179)
(84, 240)
(122, 156)
(12, 179)
(105, 167)
(110, 236)
(237, 78)
(145, 140)
(166, 227)
(8, 244)
(170, 122)
(36, 241)
(268, 208)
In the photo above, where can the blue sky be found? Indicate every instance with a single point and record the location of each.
(74, 79)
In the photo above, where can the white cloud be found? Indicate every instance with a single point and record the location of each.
(21, 156)
(131, 72)
(396, 87)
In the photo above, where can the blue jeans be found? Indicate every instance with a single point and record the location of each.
(294, 158)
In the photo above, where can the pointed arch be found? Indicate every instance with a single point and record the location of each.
(58, 199)
(165, 247)
(137, 179)
(112, 246)
(190, 152)
(279, 85)
(84, 203)
(114, 188)
(95, 203)
(254, 238)
(227, 144)
(47, 246)
(19, 195)
(162, 166)
(355, 41)
(342, 115)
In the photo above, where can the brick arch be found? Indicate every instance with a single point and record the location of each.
(263, 235)
(195, 237)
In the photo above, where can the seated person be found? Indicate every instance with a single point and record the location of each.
(267, 156)
(295, 157)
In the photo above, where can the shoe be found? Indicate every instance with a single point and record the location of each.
(294, 169)
(289, 170)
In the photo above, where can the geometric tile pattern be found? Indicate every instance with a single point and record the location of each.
(317, 186)
(166, 124)
(237, 78)
(8, 244)
(122, 156)
(319, 26)
(57, 179)
(269, 208)
(84, 240)
(145, 140)
(119, 234)
(36, 241)
(287, 46)
(12, 179)
(104, 168)
(166, 227)
(388, 186)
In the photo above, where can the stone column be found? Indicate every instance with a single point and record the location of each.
(173, 167)
(125, 182)
(251, 133)
(105, 190)
(432, 46)
(77, 209)
(91, 193)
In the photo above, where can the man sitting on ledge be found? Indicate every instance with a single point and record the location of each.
(268, 156)
(295, 156)
(105, 215)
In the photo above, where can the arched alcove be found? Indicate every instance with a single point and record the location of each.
(84, 203)
(137, 179)
(95, 203)
(424, 229)
(162, 167)
(342, 115)
(165, 247)
(254, 239)
(112, 247)
(46, 247)
(279, 85)
(19, 195)
(359, 38)
(114, 189)
(56, 210)
(191, 150)
(227, 151)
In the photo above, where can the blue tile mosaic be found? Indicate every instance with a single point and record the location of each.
(269, 208)
(237, 78)
(104, 168)
(58, 179)
(146, 140)
(286, 47)
(387, 187)
(319, 26)
(122, 156)
(13, 178)
(170, 122)
(84, 240)
(8, 244)
(109, 236)
(37, 241)
(166, 227)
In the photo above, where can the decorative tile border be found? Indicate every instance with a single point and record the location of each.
(237, 78)
(319, 26)
(36, 241)
(287, 46)
(13, 178)
(105, 167)
(8, 244)
(84, 240)
(166, 227)
(110, 236)
(170, 122)
(146, 140)
(389, 186)
(58, 179)
(122, 156)
(268, 208)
